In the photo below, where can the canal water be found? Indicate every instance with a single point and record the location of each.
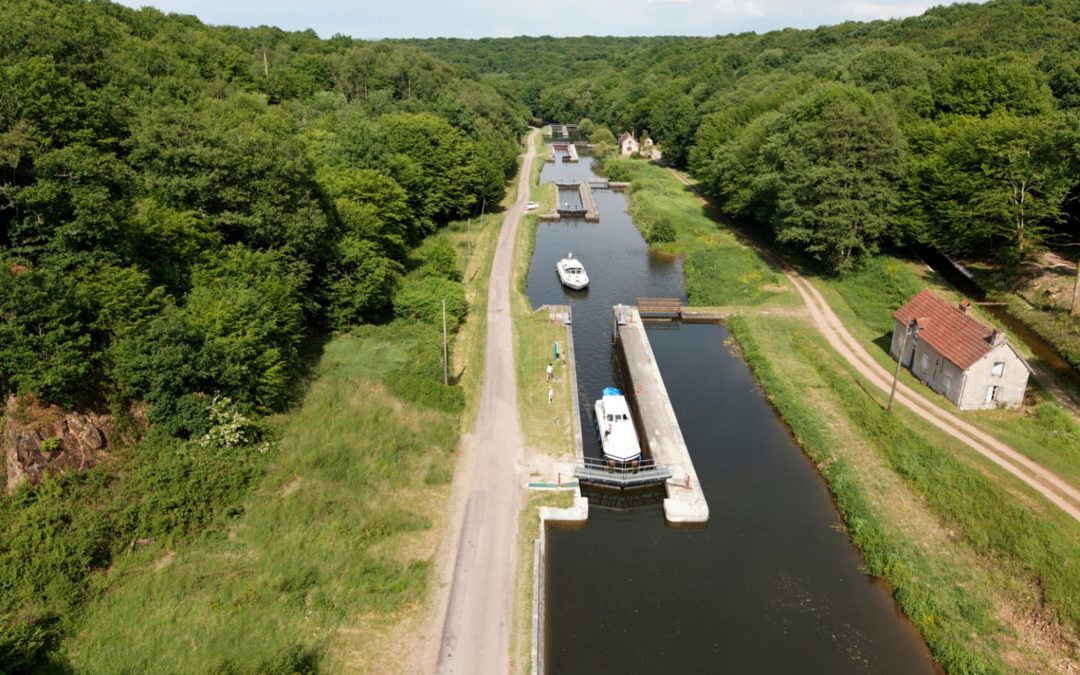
(772, 584)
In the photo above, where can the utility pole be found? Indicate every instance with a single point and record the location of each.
(899, 361)
(445, 365)
(266, 66)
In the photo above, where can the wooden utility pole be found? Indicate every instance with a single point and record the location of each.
(445, 365)
(899, 362)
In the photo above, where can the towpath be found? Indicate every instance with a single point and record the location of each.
(476, 599)
(1042, 480)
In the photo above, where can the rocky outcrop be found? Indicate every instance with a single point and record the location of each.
(41, 440)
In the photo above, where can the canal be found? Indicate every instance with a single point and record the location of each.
(772, 584)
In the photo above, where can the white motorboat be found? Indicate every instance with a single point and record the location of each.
(572, 272)
(616, 428)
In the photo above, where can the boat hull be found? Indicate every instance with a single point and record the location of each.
(615, 428)
(571, 273)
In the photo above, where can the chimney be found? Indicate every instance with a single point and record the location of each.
(997, 337)
(965, 307)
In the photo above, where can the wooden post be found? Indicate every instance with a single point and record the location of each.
(899, 361)
(445, 365)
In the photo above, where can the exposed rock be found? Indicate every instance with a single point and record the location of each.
(40, 440)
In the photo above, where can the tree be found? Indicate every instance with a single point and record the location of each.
(46, 343)
(993, 184)
(835, 157)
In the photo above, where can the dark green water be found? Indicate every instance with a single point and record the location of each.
(771, 585)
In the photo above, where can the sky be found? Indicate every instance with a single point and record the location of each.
(373, 19)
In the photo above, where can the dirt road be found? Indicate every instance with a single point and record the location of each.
(478, 600)
(1045, 482)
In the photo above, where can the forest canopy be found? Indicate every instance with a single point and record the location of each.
(958, 129)
(182, 205)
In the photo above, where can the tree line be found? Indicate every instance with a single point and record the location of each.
(181, 205)
(956, 129)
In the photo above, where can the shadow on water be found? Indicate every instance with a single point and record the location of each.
(772, 584)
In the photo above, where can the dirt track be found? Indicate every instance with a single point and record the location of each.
(1045, 482)
(475, 602)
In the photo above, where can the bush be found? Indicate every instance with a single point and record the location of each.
(421, 299)
(660, 231)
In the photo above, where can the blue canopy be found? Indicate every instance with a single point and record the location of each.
(611, 391)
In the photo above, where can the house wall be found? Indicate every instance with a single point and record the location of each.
(899, 329)
(936, 371)
(967, 389)
(1011, 383)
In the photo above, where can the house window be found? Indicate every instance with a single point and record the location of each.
(999, 369)
(991, 393)
(924, 362)
(947, 379)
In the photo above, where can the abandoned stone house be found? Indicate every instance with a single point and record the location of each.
(968, 363)
(628, 145)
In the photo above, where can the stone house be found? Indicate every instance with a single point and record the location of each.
(628, 145)
(649, 149)
(968, 363)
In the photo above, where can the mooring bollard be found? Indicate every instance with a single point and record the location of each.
(687, 481)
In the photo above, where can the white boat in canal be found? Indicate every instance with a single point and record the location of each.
(616, 428)
(572, 272)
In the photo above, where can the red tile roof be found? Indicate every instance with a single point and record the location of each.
(952, 333)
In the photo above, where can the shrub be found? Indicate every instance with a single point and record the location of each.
(421, 299)
(661, 230)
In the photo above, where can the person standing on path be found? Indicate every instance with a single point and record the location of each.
(550, 370)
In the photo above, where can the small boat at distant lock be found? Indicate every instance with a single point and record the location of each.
(572, 272)
(616, 428)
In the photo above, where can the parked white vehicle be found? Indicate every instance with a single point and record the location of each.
(531, 205)
(616, 428)
(572, 272)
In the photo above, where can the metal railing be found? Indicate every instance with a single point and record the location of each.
(621, 474)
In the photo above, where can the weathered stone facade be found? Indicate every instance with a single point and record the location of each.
(973, 366)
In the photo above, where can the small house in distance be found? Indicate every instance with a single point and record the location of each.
(628, 145)
(968, 363)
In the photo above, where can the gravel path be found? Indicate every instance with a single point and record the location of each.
(1042, 480)
(478, 598)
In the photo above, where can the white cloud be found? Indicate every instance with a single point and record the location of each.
(740, 8)
(876, 10)
(682, 1)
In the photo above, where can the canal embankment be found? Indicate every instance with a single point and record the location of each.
(962, 552)
(623, 590)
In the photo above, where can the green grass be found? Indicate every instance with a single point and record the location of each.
(946, 600)
(941, 524)
(312, 548)
(719, 270)
(865, 300)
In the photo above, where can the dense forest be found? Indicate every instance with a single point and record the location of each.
(185, 211)
(181, 205)
(957, 129)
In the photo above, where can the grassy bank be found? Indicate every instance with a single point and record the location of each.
(1041, 298)
(981, 567)
(866, 299)
(720, 272)
(308, 551)
(548, 425)
(316, 546)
